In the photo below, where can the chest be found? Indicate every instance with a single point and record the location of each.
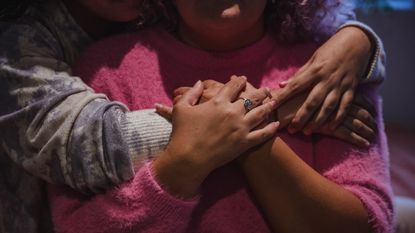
(141, 86)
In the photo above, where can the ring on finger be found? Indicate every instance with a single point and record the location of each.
(248, 104)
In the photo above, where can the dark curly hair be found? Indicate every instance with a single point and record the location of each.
(295, 20)
(12, 9)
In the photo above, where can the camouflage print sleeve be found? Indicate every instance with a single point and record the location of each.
(57, 128)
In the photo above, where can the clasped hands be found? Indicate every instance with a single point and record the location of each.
(358, 127)
(211, 127)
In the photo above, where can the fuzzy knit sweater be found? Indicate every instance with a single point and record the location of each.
(144, 68)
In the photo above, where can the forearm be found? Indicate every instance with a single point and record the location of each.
(59, 130)
(296, 198)
(108, 143)
(286, 111)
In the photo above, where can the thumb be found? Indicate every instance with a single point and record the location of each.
(284, 83)
(192, 96)
(164, 111)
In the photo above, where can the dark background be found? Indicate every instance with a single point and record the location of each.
(397, 30)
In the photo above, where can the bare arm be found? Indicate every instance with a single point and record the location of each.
(296, 198)
(346, 189)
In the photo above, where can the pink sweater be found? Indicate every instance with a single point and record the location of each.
(144, 68)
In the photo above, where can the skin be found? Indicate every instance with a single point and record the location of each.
(222, 22)
(330, 77)
(358, 128)
(225, 125)
(315, 207)
(231, 24)
(328, 100)
(100, 18)
(313, 204)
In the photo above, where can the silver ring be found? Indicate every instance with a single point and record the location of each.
(248, 104)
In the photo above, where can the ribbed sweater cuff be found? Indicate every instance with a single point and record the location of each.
(146, 134)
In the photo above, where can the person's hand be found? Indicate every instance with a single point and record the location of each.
(210, 89)
(330, 77)
(208, 135)
(359, 127)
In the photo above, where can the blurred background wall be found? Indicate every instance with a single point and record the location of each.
(394, 21)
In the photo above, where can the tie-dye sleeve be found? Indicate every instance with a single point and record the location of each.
(56, 128)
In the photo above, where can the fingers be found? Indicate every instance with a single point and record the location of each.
(180, 91)
(328, 107)
(257, 115)
(212, 84)
(261, 135)
(257, 96)
(164, 111)
(212, 88)
(300, 82)
(359, 128)
(192, 96)
(348, 135)
(364, 116)
(306, 111)
(344, 105)
(176, 99)
(232, 89)
(364, 102)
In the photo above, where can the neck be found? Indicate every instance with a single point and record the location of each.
(93, 25)
(220, 40)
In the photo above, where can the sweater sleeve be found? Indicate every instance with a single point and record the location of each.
(140, 205)
(364, 172)
(56, 128)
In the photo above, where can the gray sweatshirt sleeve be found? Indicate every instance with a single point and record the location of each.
(57, 128)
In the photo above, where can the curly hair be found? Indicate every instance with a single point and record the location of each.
(12, 9)
(295, 20)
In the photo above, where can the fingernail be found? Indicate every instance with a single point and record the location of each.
(277, 124)
(158, 106)
(198, 83)
(283, 83)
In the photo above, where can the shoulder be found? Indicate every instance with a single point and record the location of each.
(26, 38)
(121, 45)
(129, 49)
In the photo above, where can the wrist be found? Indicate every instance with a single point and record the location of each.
(178, 176)
(364, 44)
